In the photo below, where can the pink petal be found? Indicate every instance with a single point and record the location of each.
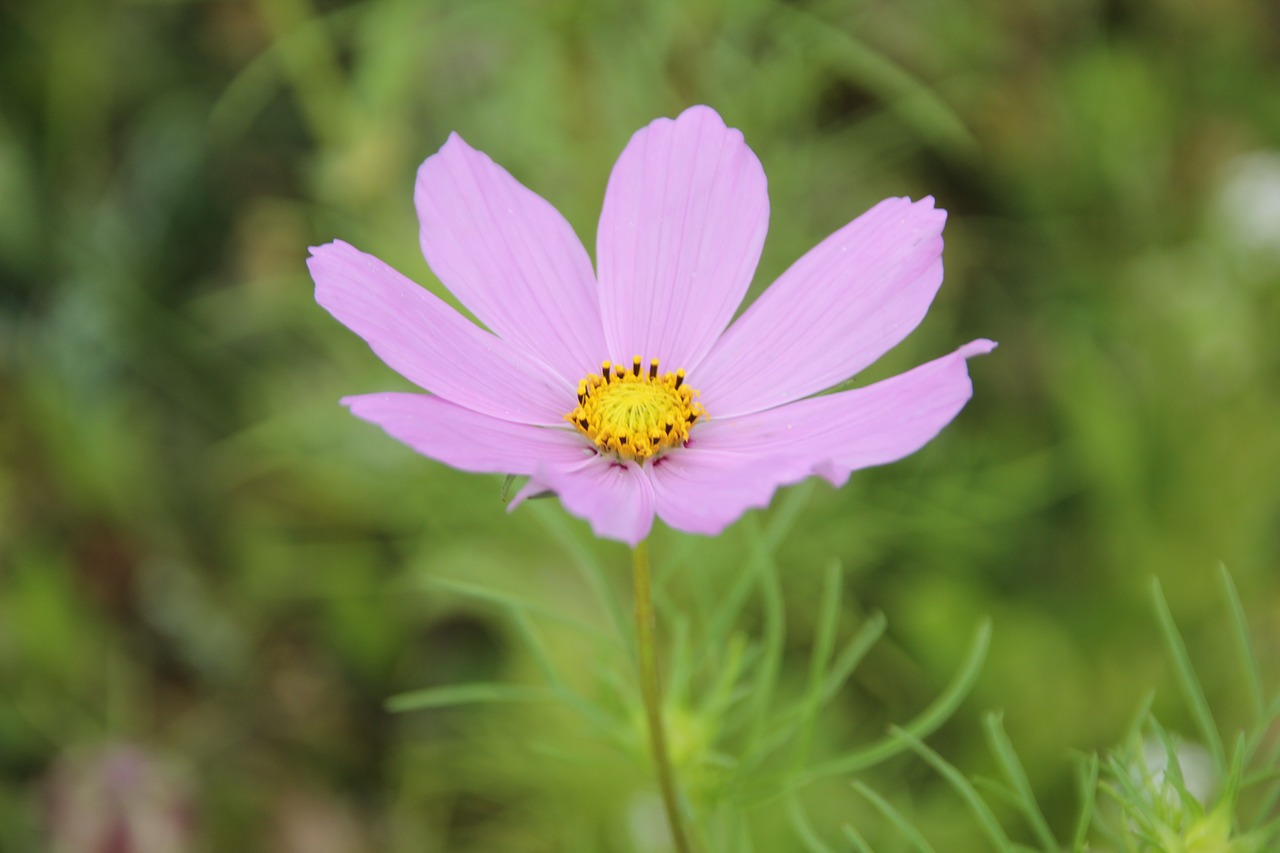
(685, 215)
(510, 257)
(835, 311)
(432, 345)
(616, 498)
(838, 433)
(702, 490)
(466, 439)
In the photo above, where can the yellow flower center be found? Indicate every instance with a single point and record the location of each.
(635, 414)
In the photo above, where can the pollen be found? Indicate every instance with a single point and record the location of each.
(635, 413)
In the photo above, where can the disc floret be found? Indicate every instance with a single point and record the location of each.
(635, 414)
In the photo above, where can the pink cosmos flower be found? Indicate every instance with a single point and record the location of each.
(626, 391)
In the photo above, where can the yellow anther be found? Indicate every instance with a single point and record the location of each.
(636, 414)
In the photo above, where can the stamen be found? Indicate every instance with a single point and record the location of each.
(637, 414)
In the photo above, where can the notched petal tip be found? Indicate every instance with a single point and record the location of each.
(455, 154)
(701, 113)
(352, 401)
(689, 115)
(926, 212)
(454, 141)
(325, 250)
(981, 346)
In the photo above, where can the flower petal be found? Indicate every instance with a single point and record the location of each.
(684, 218)
(510, 257)
(836, 434)
(836, 310)
(616, 498)
(702, 490)
(432, 345)
(466, 439)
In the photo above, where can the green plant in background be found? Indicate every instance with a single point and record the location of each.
(741, 729)
(206, 563)
(1166, 797)
(1162, 794)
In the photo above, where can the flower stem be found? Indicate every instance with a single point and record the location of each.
(652, 693)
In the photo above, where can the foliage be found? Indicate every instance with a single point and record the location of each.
(201, 553)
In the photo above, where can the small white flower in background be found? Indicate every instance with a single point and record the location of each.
(1247, 207)
(1173, 810)
(1194, 763)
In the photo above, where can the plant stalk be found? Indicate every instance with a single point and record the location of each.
(652, 693)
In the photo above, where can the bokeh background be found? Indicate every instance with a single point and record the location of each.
(212, 578)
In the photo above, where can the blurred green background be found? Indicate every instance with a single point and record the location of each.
(211, 577)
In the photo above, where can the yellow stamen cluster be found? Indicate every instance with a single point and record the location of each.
(638, 413)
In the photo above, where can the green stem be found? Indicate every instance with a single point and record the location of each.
(652, 693)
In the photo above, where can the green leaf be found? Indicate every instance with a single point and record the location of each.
(467, 694)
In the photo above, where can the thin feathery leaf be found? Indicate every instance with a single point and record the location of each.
(678, 667)
(1024, 798)
(1087, 786)
(785, 728)
(859, 843)
(774, 637)
(786, 511)
(551, 672)
(981, 811)
(803, 828)
(823, 644)
(852, 654)
(467, 694)
(782, 518)
(1192, 691)
(1244, 647)
(914, 102)
(725, 692)
(586, 564)
(516, 605)
(904, 826)
(923, 725)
